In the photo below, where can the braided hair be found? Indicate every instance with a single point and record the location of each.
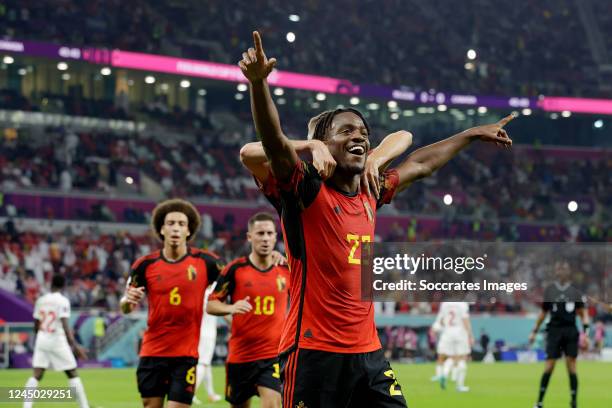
(325, 119)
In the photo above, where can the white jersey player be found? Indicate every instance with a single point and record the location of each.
(455, 341)
(206, 350)
(54, 341)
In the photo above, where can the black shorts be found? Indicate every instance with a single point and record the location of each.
(320, 379)
(174, 377)
(562, 340)
(242, 379)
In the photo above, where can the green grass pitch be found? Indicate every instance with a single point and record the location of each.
(500, 385)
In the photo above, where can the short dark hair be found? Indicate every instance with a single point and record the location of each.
(261, 216)
(324, 121)
(58, 281)
(175, 205)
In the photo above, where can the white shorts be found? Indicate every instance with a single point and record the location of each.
(206, 349)
(453, 345)
(58, 358)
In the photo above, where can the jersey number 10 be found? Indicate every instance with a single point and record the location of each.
(264, 305)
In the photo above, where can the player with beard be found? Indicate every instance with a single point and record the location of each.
(330, 352)
(256, 287)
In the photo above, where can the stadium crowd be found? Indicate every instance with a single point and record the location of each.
(97, 263)
(510, 57)
(526, 184)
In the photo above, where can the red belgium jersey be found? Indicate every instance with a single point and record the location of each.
(255, 335)
(324, 230)
(175, 291)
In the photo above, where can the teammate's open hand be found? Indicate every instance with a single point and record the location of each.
(278, 258)
(242, 306)
(494, 132)
(254, 64)
(134, 295)
(322, 159)
(370, 179)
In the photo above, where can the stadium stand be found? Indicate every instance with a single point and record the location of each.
(514, 58)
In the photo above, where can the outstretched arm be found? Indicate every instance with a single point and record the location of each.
(256, 67)
(426, 160)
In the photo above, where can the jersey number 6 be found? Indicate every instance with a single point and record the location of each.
(175, 296)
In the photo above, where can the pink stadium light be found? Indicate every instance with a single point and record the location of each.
(578, 105)
(226, 72)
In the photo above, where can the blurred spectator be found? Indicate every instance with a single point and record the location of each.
(422, 45)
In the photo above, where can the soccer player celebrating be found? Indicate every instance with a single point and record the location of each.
(55, 341)
(455, 342)
(258, 288)
(175, 279)
(330, 352)
(253, 157)
(562, 335)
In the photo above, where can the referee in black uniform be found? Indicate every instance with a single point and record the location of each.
(563, 302)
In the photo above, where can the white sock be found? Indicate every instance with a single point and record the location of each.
(461, 373)
(208, 380)
(453, 375)
(439, 370)
(80, 391)
(448, 365)
(199, 375)
(31, 383)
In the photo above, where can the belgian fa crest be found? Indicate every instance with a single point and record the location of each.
(192, 273)
(281, 283)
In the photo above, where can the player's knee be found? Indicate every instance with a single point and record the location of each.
(571, 365)
(269, 398)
